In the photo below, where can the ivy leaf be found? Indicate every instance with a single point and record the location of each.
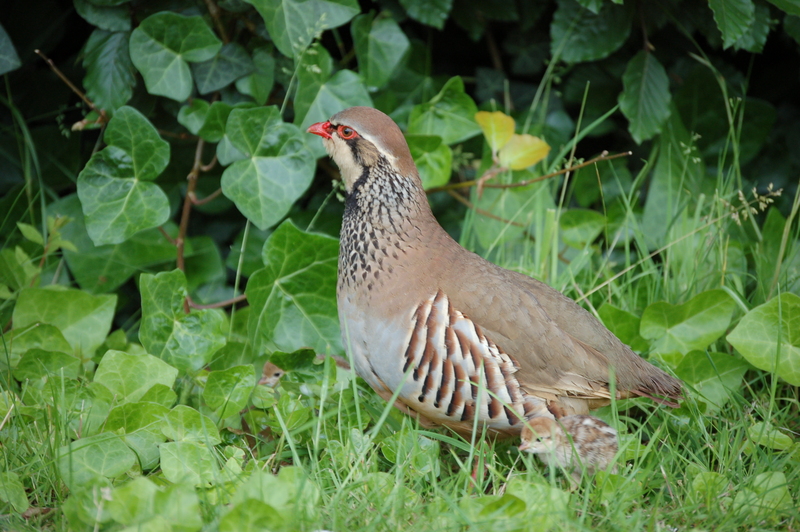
(319, 95)
(130, 377)
(593, 5)
(733, 18)
(161, 46)
(450, 114)
(434, 159)
(133, 503)
(522, 151)
(293, 298)
(109, 77)
(293, 24)
(768, 497)
(208, 121)
(497, 127)
(184, 423)
(512, 204)
(38, 363)
(9, 60)
(277, 169)
(17, 268)
(380, 46)
(429, 12)
(344, 89)
(714, 375)
(692, 325)
(184, 341)
(250, 515)
(258, 85)
(791, 7)
(12, 491)
(577, 35)
(193, 115)
(300, 359)
(35, 336)
(624, 325)
(84, 319)
(754, 39)
(117, 200)
(139, 424)
(188, 462)
(227, 391)
(579, 227)
(314, 68)
(231, 63)
(769, 337)
(105, 17)
(104, 268)
(767, 435)
(83, 461)
(645, 101)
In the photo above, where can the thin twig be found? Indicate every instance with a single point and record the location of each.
(179, 136)
(494, 52)
(210, 166)
(466, 184)
(187, 209)
(487, 175)
(218, 304)
(214, 11)
(166, 235)
(69, 84)
(482, 212)
(205, 200)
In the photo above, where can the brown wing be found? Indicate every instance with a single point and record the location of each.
(559, 346)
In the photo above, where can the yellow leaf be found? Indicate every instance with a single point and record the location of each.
(522, 151)
(497, 128)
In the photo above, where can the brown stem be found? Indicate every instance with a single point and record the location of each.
(648, 47)
(215, 12)
(179, 136)
(187, 209)
(347, 58)
(210, 166)
(487, 175)
(494, 52)
(466, 184)
(205, 200)
(69, 84)
(218, 304)
(166, 235)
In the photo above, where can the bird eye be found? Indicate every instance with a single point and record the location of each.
(347, 132)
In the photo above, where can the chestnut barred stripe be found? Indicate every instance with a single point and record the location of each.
(460, 373)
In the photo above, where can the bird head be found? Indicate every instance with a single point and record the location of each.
(538, 435)
(271, 375)
(361, 138)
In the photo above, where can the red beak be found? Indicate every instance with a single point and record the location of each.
(321, 128)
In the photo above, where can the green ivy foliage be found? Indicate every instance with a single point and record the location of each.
(174, 181)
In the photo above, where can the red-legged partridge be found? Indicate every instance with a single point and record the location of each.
(572, 442)
(462, 337)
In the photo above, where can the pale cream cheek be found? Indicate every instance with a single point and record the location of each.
(343, 156)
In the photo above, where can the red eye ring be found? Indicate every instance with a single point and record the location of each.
(346, 132)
